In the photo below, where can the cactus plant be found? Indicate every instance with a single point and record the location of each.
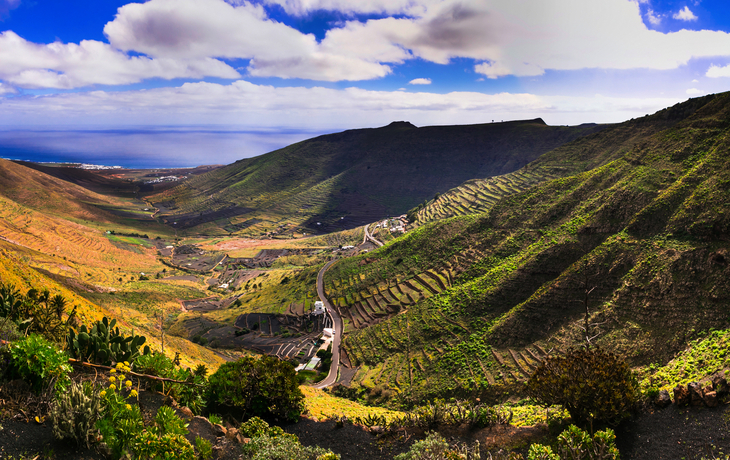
(104, 344)
(75, 413)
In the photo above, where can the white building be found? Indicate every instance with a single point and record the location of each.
(328, 332)
(319, 308)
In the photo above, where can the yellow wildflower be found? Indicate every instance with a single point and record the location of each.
(112, 379)
(128, 406)
(112, 387)
(103, 393)
(112, 371)
(133, 393)
(128, 383)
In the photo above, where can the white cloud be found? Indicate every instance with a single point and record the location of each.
(509, 38)
(654, 19)
(685, 14)
(716, 71)
(57, 65)
(196, 29)
(694, 92)
(5, 89)
(420, 81)
(695, 81)
(242, 103)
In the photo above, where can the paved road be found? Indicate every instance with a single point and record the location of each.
(370, 237)
(337, 324)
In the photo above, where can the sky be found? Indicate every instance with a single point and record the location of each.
(188, 82)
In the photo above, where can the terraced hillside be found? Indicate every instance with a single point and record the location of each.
(479, 195)
(355, 177)
(637, 236)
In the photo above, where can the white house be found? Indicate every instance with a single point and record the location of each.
(319, 307)
(328, 332)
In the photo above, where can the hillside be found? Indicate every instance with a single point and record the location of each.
(479, 195)
(347, 179)
(639, 219)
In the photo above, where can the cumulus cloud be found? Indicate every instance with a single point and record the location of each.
(65, 66)
(654, 18)
(192, 38)
(685, 14)
(694, 92)
(246, 104)
(716, 71)
(420, 81)
(197, 29)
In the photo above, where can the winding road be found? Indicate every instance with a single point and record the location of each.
(370, 237)
(336, 323)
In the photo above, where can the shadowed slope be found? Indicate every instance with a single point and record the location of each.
(361, 175)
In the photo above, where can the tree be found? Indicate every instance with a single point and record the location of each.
(591, 384)
(264, 387)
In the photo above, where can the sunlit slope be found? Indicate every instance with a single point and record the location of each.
(479, 195)
(477, 300)
(360, 175)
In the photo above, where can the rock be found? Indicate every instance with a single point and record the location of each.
(719, 385)
(695, 394)
(232, 434)
(377, 429)
(185, 413)
(663, 400)
(219, 430)
(200, 426)
(711, 399)
(681, 395)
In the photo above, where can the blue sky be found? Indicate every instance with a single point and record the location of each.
(270, 72)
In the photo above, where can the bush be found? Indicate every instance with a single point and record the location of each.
(75, 412)
(435, 447)
(40, 363)
(36, 312)
(272, 443)
(190, 396)
(262, 387)
(591, 384)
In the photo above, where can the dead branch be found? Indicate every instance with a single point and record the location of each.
(144, 376)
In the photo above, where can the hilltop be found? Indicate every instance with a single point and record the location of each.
(347, 179)
(638, 217)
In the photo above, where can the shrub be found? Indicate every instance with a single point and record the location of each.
(75, 412)
(191, 396)
(36, 312)
(591, 384)
(204, 448)
(540, 452)
(257, 387)
(435, 447)
(272, 443)
(40, 363)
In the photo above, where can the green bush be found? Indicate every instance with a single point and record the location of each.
(40, 363)
(575, 444)
(540, 452)
(36, 312)
(75, 412)
(591, 384)
(272, 443)
(190, 396)
(265, 387)
(204, 448)
(435, 447)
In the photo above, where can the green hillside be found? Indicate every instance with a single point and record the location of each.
(347, 179)
(479, 195)
(639, 218)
